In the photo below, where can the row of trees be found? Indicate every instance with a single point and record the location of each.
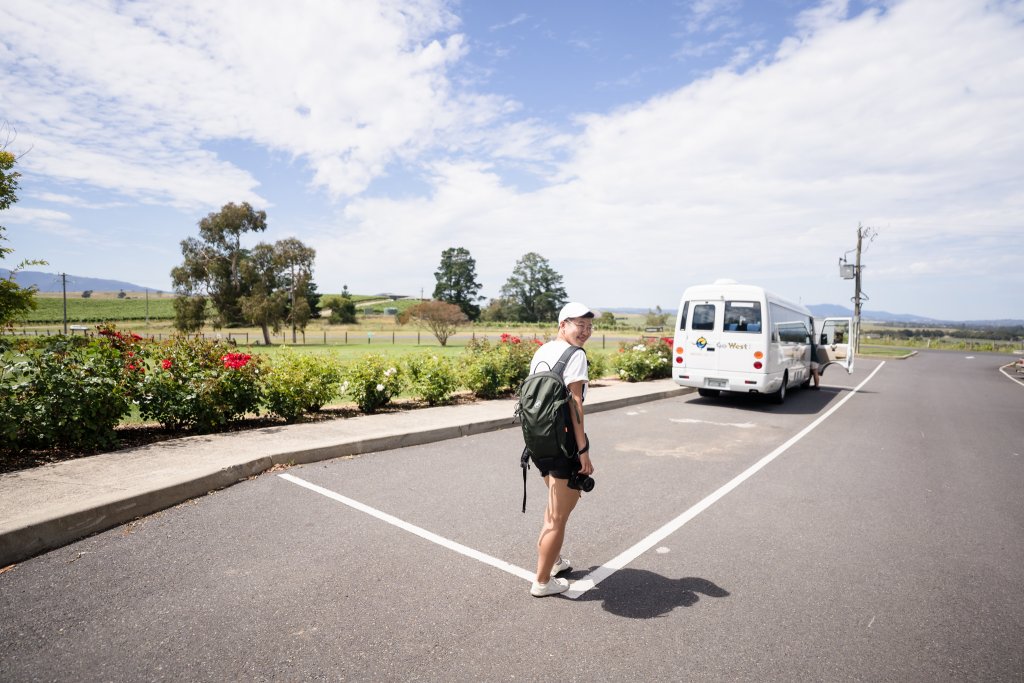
(533, 293)
(270, 285)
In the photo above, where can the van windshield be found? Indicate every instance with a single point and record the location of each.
(742, 316)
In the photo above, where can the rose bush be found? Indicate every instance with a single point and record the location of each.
(69, 392)
(296, 384)
(430, 377)
(372, 382)
(492, 369)
(646, 360)
(201, 385)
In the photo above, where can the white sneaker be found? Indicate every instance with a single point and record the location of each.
(561, 566)
(554, 586)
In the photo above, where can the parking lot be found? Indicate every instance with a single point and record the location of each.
(831, 538)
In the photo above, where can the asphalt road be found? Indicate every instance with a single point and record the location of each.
(868, 535)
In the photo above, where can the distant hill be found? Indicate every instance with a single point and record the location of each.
(876, 316)
(824, 310)
(50, 282)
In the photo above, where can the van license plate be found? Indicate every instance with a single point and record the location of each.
(717, 383)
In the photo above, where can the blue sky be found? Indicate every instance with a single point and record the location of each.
(639, 146)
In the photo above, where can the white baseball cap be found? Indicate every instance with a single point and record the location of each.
(574, 309)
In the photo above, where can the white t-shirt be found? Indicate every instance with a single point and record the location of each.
(575, 369)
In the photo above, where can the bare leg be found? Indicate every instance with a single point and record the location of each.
(561, 501)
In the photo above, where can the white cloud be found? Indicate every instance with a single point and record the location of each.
(48, 221)
(709, 16)
(129, 96)
(20, 214)
(518, 19)
(904, 117)
(906, 120)
(69, 200)
(821, 17)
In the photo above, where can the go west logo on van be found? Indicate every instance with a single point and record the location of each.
(702, 342)
(737, 347)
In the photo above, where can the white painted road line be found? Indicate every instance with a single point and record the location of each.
(1011, 377)
(413, 529)
(595, 577)
(604, 571)
(738, 425)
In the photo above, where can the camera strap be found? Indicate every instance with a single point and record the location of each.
(524, 462)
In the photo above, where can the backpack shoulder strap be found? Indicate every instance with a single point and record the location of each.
(564, 359)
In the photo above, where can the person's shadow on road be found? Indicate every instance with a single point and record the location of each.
(640, 594)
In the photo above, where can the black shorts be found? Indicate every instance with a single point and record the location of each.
(561, 469)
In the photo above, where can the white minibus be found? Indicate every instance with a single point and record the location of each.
(742, 338)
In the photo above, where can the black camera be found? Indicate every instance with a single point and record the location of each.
(581, 482)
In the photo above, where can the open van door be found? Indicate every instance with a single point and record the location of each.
(835, 343)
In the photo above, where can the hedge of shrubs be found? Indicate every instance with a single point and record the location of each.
(72, 392)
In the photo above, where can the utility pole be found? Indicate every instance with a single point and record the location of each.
(64, 288)
(848, 272)
(292, 312)
(856, 296)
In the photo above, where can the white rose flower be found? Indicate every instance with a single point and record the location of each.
(380, 387)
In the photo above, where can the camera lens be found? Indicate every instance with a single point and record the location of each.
(581, 482)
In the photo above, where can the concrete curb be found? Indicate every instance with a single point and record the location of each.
(53, 526)
(25, 541)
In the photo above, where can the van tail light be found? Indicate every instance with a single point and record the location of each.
(758, 365)
(758, 355)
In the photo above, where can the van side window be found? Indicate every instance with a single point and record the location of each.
(794, 333)
(682, 318)
(703, 317)
(742, 316)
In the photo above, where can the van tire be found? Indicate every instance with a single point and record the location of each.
(779, 397)
(708, 393)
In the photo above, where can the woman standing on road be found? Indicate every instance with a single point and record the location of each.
(575, 323)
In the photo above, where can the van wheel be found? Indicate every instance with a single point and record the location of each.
(779, 396)
(708, 393)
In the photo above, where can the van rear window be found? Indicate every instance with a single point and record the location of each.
(742, 316)
(703, 317)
